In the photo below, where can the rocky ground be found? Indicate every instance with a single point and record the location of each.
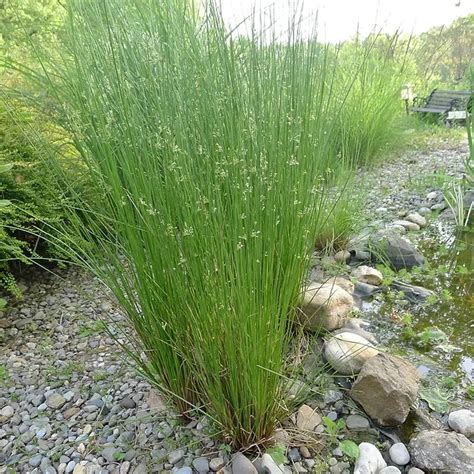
(70, 403)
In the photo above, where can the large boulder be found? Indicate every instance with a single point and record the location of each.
(325, 306)
(440, 451)
(347, 352)
(390, 247)
(386, 388)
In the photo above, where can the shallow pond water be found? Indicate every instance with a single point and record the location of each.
(438, 335)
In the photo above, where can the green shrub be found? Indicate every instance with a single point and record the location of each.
(35, 195)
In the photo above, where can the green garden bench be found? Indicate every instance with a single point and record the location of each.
(450, 104)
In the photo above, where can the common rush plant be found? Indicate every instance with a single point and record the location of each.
(210, 153)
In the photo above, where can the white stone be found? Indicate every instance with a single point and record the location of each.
(390, 470)
(407, 224)
(370, 460)
(269, 465)
(325, 306)
(432, 195)
(416, 218)
(347, 352)
(307, 418)
(368, 275)
(415, 470)
(462, 421)
(6, 412)
(399, 454)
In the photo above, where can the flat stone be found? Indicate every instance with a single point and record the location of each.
(399, 454)
(55, 401)
(357, 422)
(307, 418)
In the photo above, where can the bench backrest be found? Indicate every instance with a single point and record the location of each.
(446, 99)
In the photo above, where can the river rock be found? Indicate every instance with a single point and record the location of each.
(410, 226)
(442, 451)
(354, 325)
(417, 219)
(397, 228)
(347, 352)
(388, 246)
(307, 418)
(370, 461)
(242, 465)
(363, 290)
(325, 307)
(399, 454)
(343, 283)
(462, 421)
(386, 388)
(468, 200)
(55, 401)
(413, 293)
(390, 470)
(343, 256)
(369, 275)
(269, 466)
(6, 413)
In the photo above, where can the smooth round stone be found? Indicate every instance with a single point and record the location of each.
(184, 470)
(390, 470)
(35, 461)
(462, 421)
(201, 464)
(415, 470)
(399, 454)
(357, 422)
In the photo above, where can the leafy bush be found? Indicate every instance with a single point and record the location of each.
(34, 193)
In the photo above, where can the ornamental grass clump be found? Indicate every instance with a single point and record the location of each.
(210, 153)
